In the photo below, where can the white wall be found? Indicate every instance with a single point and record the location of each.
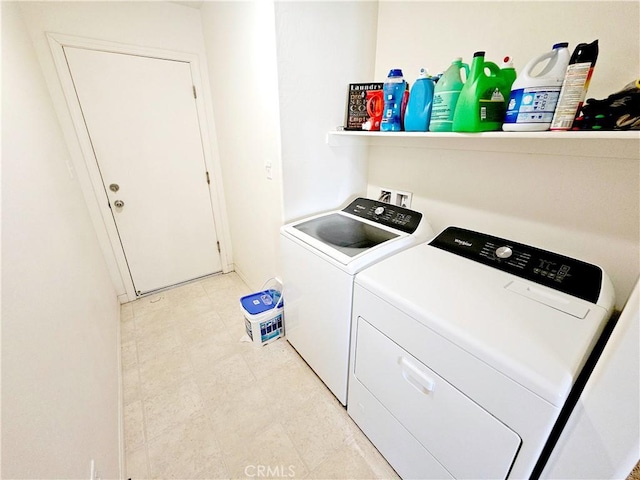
(60, 390)
(279, 74)
(431, 33)
(160, 25)
(602, 436)
(553, 195)
(322, 47)
(240, 42)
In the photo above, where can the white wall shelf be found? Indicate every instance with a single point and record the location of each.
(606, 144)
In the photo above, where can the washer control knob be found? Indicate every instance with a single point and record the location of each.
(504, 252)
(379, 211)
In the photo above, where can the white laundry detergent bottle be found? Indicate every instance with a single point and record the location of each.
(534, 96)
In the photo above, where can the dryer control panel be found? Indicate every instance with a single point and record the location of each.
(392, 216)
(574, 277)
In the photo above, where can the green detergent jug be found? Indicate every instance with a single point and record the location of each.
(483, 100)
(445, 96)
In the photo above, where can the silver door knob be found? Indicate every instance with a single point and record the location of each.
(119, 203)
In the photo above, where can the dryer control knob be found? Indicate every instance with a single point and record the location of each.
(379, 211)
(504, 252)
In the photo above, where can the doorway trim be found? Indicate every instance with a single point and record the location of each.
(86, 166)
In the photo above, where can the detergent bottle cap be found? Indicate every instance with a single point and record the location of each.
(507, 62)
(424, 73)
(396, 72)
(560, 45)
(479, 54)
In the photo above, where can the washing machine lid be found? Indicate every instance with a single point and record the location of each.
(361, 233)
(345, 234)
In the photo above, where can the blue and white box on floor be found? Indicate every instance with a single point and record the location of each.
(263, 316)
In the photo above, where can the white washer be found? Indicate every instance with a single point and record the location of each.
(320, 256)
(465, 350)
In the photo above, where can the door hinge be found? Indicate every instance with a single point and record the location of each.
(218, 245)
(195, 95)
(208, 180)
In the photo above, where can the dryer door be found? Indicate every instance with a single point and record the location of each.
(464, 438)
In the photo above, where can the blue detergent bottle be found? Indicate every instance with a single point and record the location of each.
(418, 114)
(393, 90)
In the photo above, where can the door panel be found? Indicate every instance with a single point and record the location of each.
(466, 439)
(141, 117)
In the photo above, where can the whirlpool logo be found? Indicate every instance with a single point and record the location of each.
(463, 243)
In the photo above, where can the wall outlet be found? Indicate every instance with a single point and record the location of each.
(395, 197)
(385, 195)
(403, 199)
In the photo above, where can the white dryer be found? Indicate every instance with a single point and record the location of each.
(320, 256)
(465, 350)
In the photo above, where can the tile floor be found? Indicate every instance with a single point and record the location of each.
(201, 404)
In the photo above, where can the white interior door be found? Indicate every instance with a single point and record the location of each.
(141, 117)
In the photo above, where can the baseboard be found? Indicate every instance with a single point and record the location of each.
(121, 444)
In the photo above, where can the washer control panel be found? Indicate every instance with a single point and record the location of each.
(568, 275)
(387, 214)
